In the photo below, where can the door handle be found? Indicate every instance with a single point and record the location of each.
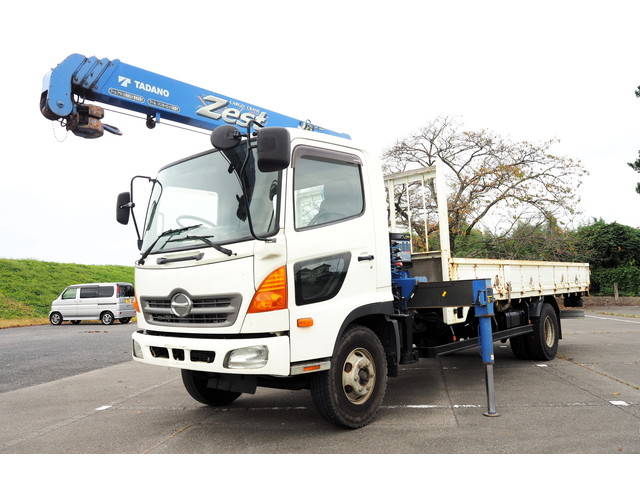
(365, 258)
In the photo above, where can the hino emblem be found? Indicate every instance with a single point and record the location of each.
(181, 305)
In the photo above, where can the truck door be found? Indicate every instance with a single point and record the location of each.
(330, 246)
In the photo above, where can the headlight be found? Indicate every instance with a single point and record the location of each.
(137, 349)
(247, 357)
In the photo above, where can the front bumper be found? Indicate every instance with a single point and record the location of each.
(278, 362)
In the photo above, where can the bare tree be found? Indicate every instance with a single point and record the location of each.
(636, 166)
(489, 178)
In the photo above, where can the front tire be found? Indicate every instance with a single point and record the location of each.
(107, 318)
(350, 393)
(542, 344)
(196, 385)
(55, 318)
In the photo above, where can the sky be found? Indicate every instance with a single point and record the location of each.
(376, 70)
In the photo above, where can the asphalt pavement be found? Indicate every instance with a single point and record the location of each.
(41, 354)
(587, 400)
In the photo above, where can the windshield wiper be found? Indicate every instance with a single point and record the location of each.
(205, 239)
(168, 233)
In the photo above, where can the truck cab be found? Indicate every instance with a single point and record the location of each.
(262, 307)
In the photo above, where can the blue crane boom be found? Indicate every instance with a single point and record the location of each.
(116, 83)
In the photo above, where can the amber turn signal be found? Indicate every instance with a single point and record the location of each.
(272, 293)
(305, 322)
(136, 306)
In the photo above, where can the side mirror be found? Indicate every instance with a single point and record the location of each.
(274, 150)
(123, 208)
(225, 137)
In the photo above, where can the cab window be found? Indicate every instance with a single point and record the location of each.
(326, 191)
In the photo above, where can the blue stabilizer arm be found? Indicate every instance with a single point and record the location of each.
(483, 293)
(483, 307)
(115, 83)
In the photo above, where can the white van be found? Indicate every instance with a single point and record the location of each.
(94, 301)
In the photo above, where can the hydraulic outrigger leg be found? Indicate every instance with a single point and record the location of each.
(484, 313)
(476, 293)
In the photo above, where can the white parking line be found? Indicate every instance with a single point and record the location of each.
(614, 319)
(103, 407)
(406, 406)
(431, 406)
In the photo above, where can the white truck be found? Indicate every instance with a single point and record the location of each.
(273, 266)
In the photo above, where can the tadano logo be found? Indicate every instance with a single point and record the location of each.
(124, 81)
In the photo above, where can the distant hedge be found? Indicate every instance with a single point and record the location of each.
(628, 278)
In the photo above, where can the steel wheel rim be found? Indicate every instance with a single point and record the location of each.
(358, 376)
(55, 318)
(549, 332)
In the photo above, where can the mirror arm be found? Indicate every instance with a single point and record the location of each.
(242, 185)
(249, 221)
(246, 158)
(131, 204)
(226, 137)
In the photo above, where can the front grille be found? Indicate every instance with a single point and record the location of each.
(197, 302)
(206, 311)
(159, 303)
(211, 302)
(194, 318)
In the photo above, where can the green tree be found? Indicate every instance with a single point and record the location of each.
(608, 245)
(545, 241)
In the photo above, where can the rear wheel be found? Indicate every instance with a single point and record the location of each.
(106, 318)
(125, 320)
(351, 391)
(542, 344)
(196, 385)
(55, 318)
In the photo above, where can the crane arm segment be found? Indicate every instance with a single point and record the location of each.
(116, 83)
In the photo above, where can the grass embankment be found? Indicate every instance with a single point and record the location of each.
(27, 287)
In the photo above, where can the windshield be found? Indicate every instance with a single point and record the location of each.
(201, 191)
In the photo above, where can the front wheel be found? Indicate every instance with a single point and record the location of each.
(55, 318)
(196, 385)
(351, 391)
(106, 318)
